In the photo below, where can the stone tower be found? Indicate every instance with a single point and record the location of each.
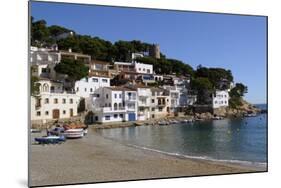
(154, 51)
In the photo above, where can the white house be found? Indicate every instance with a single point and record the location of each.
(174, 93)
(43, 61)
(43, 56)
(87, 86)
(113, 104)
(144, 102)
(52, 102)
(143, 68)
(220, 98)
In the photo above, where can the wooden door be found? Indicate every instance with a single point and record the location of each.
(56, 114)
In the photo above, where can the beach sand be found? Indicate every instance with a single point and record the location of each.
(97, 159)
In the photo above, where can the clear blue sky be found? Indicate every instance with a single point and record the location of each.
(233, 42)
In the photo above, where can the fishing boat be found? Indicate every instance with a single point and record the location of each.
(74, 133)
(50, 139)
(57, 131)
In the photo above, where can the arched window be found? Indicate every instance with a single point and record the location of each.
(45, 87)
(120, 105)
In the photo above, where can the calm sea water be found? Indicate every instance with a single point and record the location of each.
(242, 140)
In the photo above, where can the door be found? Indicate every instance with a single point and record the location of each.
(56, 114)
(132, 117)
(71, 112)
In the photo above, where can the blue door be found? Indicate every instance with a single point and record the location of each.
(132, 117)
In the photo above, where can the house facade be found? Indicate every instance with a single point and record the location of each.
(220, 98)
(144, 102)
(160, 103)
(53, 103)
(87, 86)
(113, 104)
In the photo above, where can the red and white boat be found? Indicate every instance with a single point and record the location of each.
(74, 133)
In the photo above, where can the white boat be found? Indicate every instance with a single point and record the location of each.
(217, 118)
(187, 121)
(162, 123)
(85, 131)
(174, 122)
(74, 133)
(250, 115)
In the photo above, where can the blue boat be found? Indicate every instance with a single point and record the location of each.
(50, 139)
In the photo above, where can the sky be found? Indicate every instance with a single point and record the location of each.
(232, 42)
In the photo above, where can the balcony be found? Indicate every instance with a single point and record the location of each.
(109, 109)
(131, 98)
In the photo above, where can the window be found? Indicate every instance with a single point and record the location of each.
(105, 105)
(225, 102)
(120, 95)
(115, 95)
(115, 116)
(85, 89)
(38, 113)
(95, 80)
(153, 109)
(143, 69)
(77, 89)
(63, 101)
(152, 100)
(148, 70)
(45, 70)
(47, 113)
(216, 102)
(106, 96)
(109, 105)
(91, 90)
(97, 95)
(160, 109)
(55, 101)
(63, 112)
(104, 80)
(121, 115)
(46, 101)
(107, 117)
(87, 79)
(71, 101)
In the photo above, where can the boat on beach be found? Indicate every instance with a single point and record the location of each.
(74, 133)
(50, 139)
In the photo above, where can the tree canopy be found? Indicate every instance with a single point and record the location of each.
(74, 69)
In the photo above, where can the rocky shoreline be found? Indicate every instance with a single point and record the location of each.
(223, 112)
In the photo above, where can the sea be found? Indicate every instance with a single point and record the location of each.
(237, 140)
